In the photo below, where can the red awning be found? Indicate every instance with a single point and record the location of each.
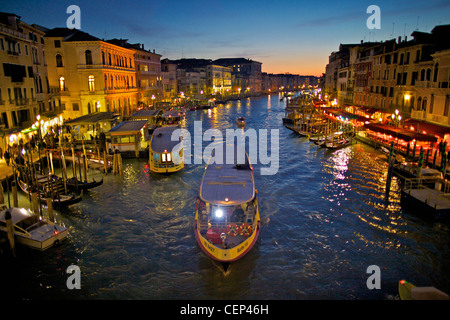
(406, 135)
(429, 128)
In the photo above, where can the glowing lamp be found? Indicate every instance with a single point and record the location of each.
(219, 213)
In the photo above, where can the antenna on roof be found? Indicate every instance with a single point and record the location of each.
(417, 26)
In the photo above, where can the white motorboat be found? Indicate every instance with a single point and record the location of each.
(31, 230)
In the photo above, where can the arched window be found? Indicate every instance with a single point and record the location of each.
(436, 69)
(59, 61)
(62, 83)
(422, 75)
(428, 74)
(88, 56)
(424, 104)
(103, 57)
(109, 58)
(91, 83)
(419, 103)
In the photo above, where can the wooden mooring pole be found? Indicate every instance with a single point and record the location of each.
(10, 232)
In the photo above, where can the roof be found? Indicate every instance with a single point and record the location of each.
(128, 127)
(228, 183)
(171, 113)
(146, 113)
(70, 34)
(93, 118)
(162, 139)
(232, 61)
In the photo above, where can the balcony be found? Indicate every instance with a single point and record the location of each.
(434, 118)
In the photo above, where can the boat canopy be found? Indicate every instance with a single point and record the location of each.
(228, 183)
(162, 139)
(128, 127)
(17, 214)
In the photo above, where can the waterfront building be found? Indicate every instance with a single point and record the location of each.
(148, 73)
(90, 75)
(218, 79)
(24, 90)
(169, 79)
(410, 77)
(246, 73)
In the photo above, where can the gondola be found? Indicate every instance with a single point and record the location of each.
(74, 184)
(338, 143)
(59, 199)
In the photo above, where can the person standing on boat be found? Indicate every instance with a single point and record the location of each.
(7, 157)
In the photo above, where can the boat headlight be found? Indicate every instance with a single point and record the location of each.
(219, 213)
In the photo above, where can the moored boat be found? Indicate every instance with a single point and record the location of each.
(31, 230)
(408, 291)
(48, 188)
(166, 156)
(227, 220)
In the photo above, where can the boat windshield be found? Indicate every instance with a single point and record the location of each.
(28, 222)
(226, 224)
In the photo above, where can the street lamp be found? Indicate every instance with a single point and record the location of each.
(396, 118)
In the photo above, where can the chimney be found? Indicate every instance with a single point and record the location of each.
(406, 38)
(142, 46)
(399, 39)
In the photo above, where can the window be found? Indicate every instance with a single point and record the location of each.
(91, 83)
(88, 56)
(62, 84)
(436, 69)
(2, 45)
(57, 43)
(59, 62)
(75, 107)
(428, 74)
(446, 106)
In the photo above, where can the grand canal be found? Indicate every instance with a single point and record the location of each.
(325, 220)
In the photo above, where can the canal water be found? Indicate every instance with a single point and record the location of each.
(325, 220)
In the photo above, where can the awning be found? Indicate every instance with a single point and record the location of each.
(429, 128)
(406, 135)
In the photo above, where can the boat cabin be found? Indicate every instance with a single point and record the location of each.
(165, 155)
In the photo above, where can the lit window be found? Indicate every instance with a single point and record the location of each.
(91, 83)
(163, 157)
(169, 157)
(62, 83)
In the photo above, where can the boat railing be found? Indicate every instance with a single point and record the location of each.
(434, 195)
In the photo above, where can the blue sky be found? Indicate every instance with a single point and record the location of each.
(286, 36)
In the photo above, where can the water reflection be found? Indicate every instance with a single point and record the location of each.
(325, 220)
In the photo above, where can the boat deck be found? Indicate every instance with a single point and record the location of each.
(433, 198)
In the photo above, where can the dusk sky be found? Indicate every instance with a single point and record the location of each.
(286, 36)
